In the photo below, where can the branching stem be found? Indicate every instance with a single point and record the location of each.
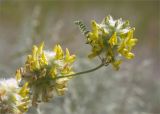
(84, 72)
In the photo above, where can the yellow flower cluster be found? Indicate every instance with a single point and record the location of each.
(46, 73)
(111, 39)
(11, 101)
(41, 72)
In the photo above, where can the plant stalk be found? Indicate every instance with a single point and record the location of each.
(83, 72)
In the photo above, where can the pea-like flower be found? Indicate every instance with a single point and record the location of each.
(13, 100)
(41, 72)
(110, 40)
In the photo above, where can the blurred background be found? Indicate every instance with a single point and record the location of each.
(134, 89)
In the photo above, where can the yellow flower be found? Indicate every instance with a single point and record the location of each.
(95, 33)
(18, 75)
(24, 91)
(59, 52)
(127, 45)
(53, 72)
(43, 59)
(130, 42)
(61, 86)
(69, 58)
(41, 70)
(116, 64)
(111, 38)
(10, 99)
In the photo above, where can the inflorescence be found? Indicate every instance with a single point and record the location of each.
(110, 40)
(12, 99)
(45, 74)
(41, 70)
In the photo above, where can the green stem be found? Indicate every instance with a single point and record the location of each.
(83, 72)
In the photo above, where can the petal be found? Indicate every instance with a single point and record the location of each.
(18, 75)
(59, 52)
(113, 40)
(40, 48)
(130, 55)
(116, 64)
(24, 90)
(53, 72)
(69, 58)
(34, 52)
